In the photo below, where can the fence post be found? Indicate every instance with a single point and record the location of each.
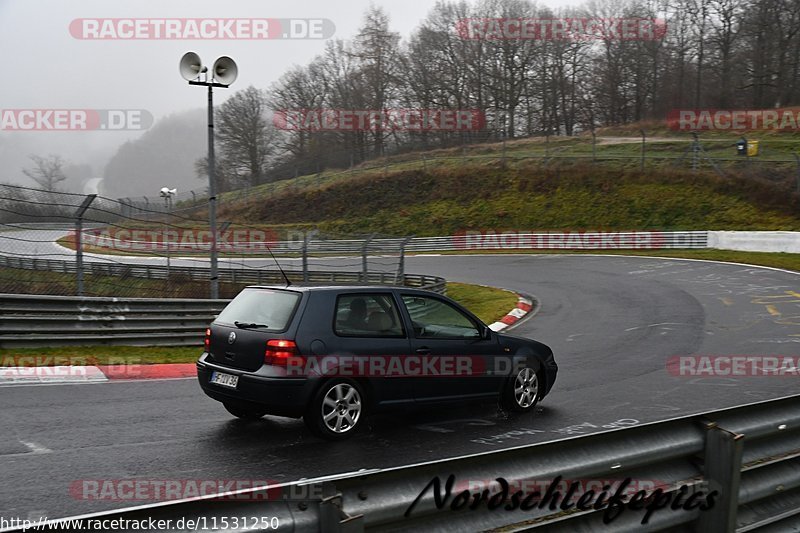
(644, 147)
(547, 145)
(79, 239)
(399, 279)
(594, 147)
(722, 470)
(797, 158)
(306, 240)
(364, 266)
(504, 151)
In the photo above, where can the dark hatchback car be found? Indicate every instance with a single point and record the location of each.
(332, 354)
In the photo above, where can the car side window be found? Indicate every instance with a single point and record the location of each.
(434, 318)
(367, 315)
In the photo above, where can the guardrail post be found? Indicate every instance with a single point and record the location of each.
(722, 472)
(332, 516)
(79, 240)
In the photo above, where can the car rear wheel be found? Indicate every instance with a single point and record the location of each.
(521, 392)
(336, 410)
(245, 413)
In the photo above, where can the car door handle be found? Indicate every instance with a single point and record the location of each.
(424, 350)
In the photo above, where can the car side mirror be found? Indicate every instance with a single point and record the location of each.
(486, 333)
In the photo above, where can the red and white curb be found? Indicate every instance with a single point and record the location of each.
(524, 306)
(52, 375)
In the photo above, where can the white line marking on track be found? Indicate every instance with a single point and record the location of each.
(36, 448)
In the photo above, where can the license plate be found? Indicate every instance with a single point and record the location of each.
(226, 380)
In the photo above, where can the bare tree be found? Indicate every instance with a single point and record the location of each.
(47, 172)
(244, 135)
(376, 48)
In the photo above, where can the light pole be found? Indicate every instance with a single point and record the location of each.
(223, 74)
(167, 194)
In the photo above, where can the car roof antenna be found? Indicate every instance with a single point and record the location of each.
(285, 277)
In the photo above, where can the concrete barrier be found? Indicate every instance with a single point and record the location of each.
(755, 241)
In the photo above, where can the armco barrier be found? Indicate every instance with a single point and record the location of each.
(36, 321)
(749, 456)
(233, 275)
(470, 240)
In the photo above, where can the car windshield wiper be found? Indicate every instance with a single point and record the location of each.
(249, 325)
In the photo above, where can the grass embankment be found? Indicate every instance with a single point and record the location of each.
(98, 355)
(488, 303)
(525, 198)
(444, 202)
(493, 186)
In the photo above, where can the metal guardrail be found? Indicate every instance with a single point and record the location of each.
(233, 275)
(749, 455)
(36, 321)
(577, 240)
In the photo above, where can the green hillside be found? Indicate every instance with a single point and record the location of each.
(457, 195)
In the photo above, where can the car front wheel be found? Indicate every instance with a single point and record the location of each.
(336, 410)
(521, 391)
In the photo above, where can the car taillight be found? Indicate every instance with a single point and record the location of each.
(207, 341)
(280, 352)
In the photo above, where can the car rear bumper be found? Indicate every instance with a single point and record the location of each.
(277, 396)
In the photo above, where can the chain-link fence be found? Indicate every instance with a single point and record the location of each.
(61, 243)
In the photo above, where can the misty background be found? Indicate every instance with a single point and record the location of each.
(717, 53)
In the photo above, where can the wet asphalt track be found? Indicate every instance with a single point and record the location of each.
(612, 323)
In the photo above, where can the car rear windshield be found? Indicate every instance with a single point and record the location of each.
(272, 308)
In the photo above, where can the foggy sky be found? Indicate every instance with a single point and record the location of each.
(44, 66)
